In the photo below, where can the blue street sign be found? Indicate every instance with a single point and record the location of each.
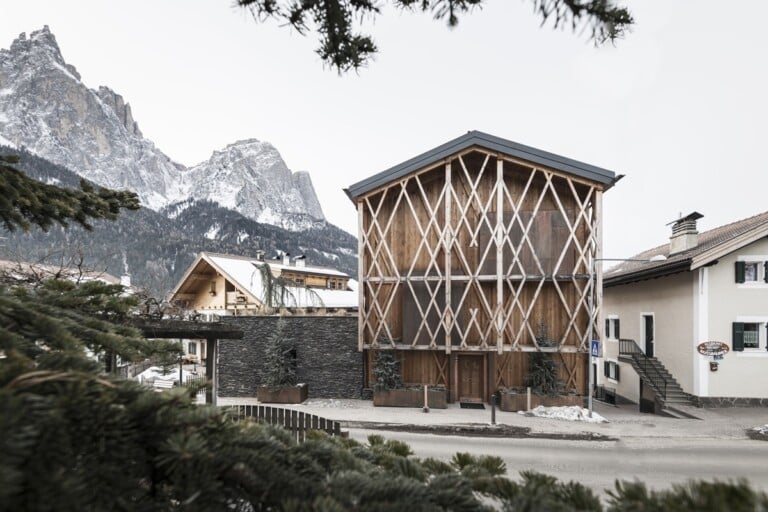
(595, 348)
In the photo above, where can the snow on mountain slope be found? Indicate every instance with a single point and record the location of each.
(47, 109)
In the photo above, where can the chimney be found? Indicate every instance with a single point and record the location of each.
(300, 261)
(259, 255)
(287, 259)
(684, 234)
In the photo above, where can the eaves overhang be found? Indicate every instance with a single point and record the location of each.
(491, 143)
(644, 274)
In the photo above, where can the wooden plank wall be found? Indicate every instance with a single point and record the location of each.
(511, 370)
(416, 367)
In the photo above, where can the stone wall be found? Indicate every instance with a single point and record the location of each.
(723, 401)
(326, 355)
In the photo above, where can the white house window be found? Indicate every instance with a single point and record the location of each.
(749, 336)
(752, 270)
(611, 370)
(612, 328)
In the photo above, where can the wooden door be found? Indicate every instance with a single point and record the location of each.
(648, 327)
(471, 378)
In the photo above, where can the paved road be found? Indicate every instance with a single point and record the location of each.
(597, 464)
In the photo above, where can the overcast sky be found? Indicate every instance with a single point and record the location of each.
(680, 106)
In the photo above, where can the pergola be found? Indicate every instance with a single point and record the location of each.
(210, 331)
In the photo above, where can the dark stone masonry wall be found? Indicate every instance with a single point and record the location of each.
(724, 401)
(326, 355)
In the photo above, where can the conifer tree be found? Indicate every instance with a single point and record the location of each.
(344, 49)
(25, 202)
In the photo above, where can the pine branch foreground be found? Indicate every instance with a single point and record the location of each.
(25, 201)
(343, 48)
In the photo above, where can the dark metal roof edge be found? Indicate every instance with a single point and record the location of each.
(648, 273)
(487, 141)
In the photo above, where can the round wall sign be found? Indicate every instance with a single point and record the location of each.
(712, 348)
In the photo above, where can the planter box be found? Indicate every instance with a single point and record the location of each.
(436, 398)
(518, 401)
(287, 395)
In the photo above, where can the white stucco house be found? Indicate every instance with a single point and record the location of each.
(698, 287)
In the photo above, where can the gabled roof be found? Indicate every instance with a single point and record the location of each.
(713, 244)
(245, 274)
(489, 142)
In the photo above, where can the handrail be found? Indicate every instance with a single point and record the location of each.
(629, 348)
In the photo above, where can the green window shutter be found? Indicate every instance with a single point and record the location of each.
(765, 271)
(618, 329)
(739, 271)
(738, 336)
(618, 366)
(607, 328)
(606, 368)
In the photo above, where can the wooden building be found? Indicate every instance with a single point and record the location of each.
(223, 285)
(475, 254)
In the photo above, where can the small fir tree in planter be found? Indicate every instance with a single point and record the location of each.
(389, 391)
(543, 372)
(543, 379)
(386, 369)
(280, 360)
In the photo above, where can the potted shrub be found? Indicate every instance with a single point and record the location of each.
(389, 390)
(280, 361)
(543, 379)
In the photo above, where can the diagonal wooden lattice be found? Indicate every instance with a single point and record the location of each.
(474, 276)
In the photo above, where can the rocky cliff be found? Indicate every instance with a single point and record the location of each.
(46, 109)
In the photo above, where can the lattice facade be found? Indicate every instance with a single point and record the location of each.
(480, 252)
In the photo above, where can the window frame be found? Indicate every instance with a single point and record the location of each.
(738, 330)
(760, 264)
(611, 370)
(612, 327)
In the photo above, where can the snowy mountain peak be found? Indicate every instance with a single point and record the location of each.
(251, 177)
(47, 109)
(41, 46)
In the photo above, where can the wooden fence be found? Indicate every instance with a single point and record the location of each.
(297, 422)
(195, 380)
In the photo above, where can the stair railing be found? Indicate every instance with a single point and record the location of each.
(645, 364)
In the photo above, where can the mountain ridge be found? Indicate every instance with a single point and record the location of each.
(47, 109)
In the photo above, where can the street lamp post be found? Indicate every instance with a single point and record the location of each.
(592, 329)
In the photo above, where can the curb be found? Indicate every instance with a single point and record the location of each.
(477, 430)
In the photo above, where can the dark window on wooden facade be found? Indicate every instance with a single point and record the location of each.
(546, 238)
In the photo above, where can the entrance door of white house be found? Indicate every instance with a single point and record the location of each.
(648, 334)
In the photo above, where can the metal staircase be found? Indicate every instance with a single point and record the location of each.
(652, 372)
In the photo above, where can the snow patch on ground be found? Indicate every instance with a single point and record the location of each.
(331, 403)
(267, 216)
(6, 142)
(212, 232)
(567, 413)
(761, 430)
(154, 373)
(330, 255)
